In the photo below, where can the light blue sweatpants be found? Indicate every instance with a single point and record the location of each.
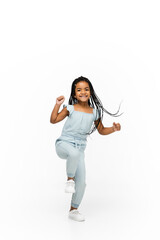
(75, 167)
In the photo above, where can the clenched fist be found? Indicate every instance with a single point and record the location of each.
(60, 100)
(116, 127)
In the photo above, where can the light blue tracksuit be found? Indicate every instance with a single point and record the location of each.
(71, 146)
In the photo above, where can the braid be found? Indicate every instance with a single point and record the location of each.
(93, 102)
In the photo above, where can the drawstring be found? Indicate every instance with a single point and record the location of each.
(78, 144)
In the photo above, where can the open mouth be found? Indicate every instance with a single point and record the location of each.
(83, 96)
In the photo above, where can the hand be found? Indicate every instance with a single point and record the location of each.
(116, 127)
(60, 100)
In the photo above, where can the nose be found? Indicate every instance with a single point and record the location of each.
(83, 91)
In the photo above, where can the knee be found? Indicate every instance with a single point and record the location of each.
(81, 184)
(74, 154)
(84, 185)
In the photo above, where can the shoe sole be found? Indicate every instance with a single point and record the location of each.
(82, 220)
(66, 191)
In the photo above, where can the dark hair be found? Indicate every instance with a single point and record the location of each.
(94, 102)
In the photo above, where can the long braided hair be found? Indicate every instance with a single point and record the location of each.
(93, 102)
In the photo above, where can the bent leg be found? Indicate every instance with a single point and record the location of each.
(67, 151)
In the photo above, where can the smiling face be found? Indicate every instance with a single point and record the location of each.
(82, 91)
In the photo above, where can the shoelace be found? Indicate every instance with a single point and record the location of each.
(70, 184)
(76, 212)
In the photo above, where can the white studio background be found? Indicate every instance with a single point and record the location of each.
(44, 46)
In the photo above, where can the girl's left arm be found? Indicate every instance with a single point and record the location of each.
(107, 130)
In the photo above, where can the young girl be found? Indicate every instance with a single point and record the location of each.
(85, 113)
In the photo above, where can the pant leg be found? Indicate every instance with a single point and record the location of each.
(80, 182)
(67, 151)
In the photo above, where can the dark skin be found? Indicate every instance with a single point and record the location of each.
(82, 94)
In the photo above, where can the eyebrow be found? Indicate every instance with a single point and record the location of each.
(85, 87)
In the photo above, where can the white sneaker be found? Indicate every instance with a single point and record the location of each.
(75, 215)
(70, 186)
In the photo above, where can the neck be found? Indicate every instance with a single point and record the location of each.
(83, 104)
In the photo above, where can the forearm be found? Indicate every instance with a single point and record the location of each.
(54, 113)
(107, 130)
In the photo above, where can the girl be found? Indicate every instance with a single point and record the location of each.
(85, 113)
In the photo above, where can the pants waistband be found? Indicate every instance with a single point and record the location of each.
(74, 139)
(74, 143)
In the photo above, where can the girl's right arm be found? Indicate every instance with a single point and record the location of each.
(55, 116)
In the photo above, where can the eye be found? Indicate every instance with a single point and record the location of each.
(78, 90)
